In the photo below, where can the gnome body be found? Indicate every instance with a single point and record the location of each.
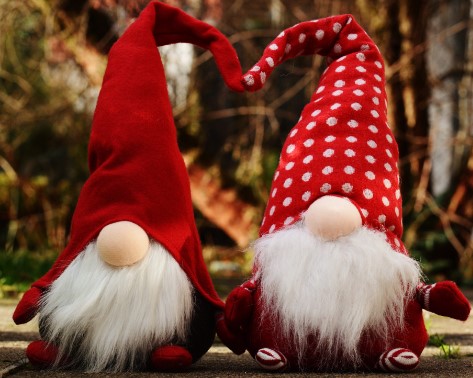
(333, 287)
(131, 290)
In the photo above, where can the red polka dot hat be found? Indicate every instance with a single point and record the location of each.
(342, 144)
(136, 169)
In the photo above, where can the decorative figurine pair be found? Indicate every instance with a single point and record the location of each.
(333, 287)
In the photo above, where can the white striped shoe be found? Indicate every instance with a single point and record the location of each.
(270, 359)
(398, 360)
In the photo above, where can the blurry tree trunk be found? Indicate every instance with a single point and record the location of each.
(446, 34)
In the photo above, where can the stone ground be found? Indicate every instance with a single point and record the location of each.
(220, 362)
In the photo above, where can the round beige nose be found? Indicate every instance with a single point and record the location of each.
(122, 243)
(331, 217)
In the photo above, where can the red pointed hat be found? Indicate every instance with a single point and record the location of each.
(137, 171)
(342, 144)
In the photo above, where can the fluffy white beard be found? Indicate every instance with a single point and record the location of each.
(107, 318)
(335, 290)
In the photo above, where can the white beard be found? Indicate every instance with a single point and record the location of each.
(107, 318)
(334, 290)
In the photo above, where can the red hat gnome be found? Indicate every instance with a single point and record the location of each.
(333, 286)
(131, 290)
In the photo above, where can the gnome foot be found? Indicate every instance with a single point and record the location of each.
(41, 354)
(271, 359)
(170, 358)
(398, 360)
(444, 298)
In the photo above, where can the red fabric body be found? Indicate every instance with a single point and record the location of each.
(342, 144)
(137, 171)
(264, 332)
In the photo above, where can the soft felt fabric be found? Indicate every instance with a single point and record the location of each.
(170, 358)
(42, 354)
(341, 144)
(137, 171)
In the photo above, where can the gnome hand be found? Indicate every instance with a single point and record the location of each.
(234, 341)
(239, 307)
(445, 299)
(28, 306)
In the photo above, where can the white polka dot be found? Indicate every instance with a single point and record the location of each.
(332, 121)
(273, 194)
(287, 201)
(352, 36)
(349, 170)
(347, 187)
(290, 148)
(306, 176)
(320, 89)
(318, 99)
(370, 159)
(389, 138)
(288, 182)
(397, 242)
(289, 166)
(308, 159)
(337, 93)
(373, 129)
(377, 90)
(398, 194)
(375, 114)
(385, 201)
(360, 82)
(370, 175)
(352, 123)
(309, 142)
(356, 106)
(271, 229)
(382, 218)
(340, 69)
(361, 57)
(388, 167)
(288, 221)
(351, 139)
(361, 69)
(319, 34)
(364, 47)
(264, 221)
(337, 27)
(262, 77)
(310, 125)
(270, 61)
(391, 228)
(372, 143)
(255, 69)
(337, 48)
(302, 37)
(276, 175)
(389, 153)
(365, 212)
(272, 210)
(367, 193)
(358, 92)
(287, 48)
(293, 132)
(273, 47)
(378, 64)
(249, 80)
(328, 152)
(350, 153)
(377, 77)
(335, 106)
(327, 170)
(325, 188)
(306, 196)
(339, 83)
(330, 138)
(387, 183)
(282, 34)
(375, 100)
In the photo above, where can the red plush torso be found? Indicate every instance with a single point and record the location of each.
(264, 332)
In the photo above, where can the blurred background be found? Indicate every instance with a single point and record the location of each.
(53, 54)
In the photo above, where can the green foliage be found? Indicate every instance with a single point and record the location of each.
(445, 350)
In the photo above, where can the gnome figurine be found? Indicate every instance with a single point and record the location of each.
(131, 290)
(333, 287)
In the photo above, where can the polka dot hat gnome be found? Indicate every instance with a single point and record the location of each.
(333, 286)
(131, 290)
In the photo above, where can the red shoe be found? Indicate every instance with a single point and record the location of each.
(270, 359)
(41, 354)
(398, 360)
(170, 358)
